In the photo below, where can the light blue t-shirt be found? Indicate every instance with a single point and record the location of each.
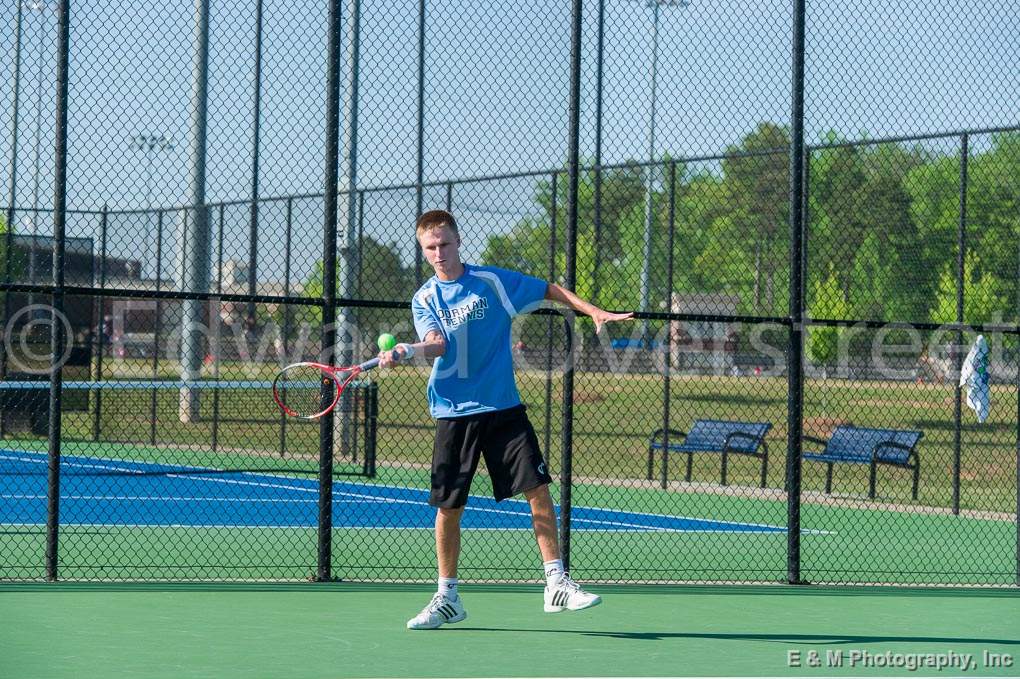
(473, 313)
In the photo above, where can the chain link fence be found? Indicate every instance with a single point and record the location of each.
(812, 241)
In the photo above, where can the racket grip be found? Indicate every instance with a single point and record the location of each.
(374, 362)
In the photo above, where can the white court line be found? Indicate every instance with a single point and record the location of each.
(135, 385)
(621, 526)
(370, 497)
(527, 529)
(163, 498)
(418, 503)
(382, 498)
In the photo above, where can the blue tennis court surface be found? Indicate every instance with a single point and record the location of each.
(106, 492)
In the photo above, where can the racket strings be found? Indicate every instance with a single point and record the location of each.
(305, 391)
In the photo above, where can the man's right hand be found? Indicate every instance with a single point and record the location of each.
(402, 351)
(386, 359)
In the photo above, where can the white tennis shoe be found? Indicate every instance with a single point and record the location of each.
(568, 595)
(439, 611)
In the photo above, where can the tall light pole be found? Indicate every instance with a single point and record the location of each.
(194, 269)
(12, 200)
(655, 5)
(39, 7)
(346, 318)
(150, 144)
(13, 192)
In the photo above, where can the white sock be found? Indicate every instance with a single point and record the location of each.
(448, 587)
(553, 572)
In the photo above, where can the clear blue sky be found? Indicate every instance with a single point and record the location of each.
(496, 91)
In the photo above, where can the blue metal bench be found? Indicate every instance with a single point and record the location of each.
(861, 445)
(712, 436)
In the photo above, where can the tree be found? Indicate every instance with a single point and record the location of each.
(828, 302)
(993, 217)
(701, 205)
(993, 228)
(605, 270)
(837, 198)
(982, 297)
(934, 208)
(758, 188)
(870, 280)
(384, 278)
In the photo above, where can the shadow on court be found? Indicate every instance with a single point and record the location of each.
(823, 639)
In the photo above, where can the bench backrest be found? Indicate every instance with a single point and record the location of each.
(711, 435)
(856, 443)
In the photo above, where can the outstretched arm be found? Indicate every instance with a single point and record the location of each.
(567, 298)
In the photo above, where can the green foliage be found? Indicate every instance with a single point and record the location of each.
(608, 263)
(758, 190)
(870, 278)
(982, 296)
(882, 224)
(993, 216)
(860, 224)
(827, 302)
(383, 278)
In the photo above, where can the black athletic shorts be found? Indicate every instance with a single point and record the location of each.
(508, 442)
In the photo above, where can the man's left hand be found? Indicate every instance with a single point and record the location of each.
(601, 317)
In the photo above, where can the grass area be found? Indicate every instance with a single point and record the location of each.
(613, 418)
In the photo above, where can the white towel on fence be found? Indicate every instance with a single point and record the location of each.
(974, 376)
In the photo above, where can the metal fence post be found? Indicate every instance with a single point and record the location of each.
(549, 320)
(97, 375)
(597, 179)
(570, 277)
(346, 315)
(961, 254)
(806, 220)
(329, 257)
(669, 324)
(795, 362)
(420, 136)
(158, 329)
(215, 334)
(253, 227)
(284, 342)
(11, 200)
(57, 338)
(361, 243)
(195, 260)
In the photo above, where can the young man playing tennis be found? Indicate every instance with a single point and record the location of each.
(462, 316)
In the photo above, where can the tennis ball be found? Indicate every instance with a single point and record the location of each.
(386, 341)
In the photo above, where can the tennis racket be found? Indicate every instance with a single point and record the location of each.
(310, 390)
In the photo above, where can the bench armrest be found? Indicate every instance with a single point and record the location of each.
(739, 435)
(657, 435)
(892, 444)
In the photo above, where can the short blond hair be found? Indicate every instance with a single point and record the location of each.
(435, 219)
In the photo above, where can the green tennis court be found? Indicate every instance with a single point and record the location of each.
(348, 630)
